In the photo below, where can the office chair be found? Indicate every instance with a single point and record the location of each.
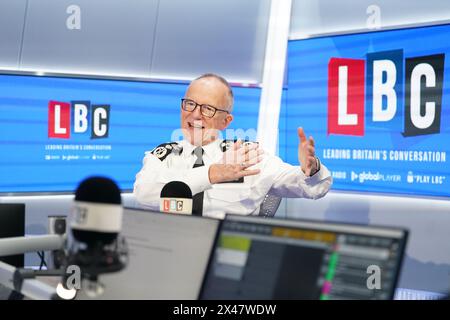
(269, 206)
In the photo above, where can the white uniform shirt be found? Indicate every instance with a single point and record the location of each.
(276, 177)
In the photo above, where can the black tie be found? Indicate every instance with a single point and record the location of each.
(197, 203)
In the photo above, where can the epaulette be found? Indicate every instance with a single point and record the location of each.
(227, 144)
(163, 150)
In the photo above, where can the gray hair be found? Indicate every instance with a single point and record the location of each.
(222, 80)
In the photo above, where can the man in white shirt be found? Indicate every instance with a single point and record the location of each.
(225, 176)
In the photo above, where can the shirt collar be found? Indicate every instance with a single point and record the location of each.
(209, 150)
(212, 148)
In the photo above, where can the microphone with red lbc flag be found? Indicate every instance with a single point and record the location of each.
(176, 197)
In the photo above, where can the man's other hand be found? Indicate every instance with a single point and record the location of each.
(235, 163)
(306, 153)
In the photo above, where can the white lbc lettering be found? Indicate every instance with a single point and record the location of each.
(419, 71)
(100, 129)
(381, 89)
(344, 118)
(58, 129)
(80, 112)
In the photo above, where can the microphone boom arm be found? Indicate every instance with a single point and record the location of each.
(19, 245)
(11, 278)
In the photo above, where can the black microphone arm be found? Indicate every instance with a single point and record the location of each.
(13, 279)
(22, 280)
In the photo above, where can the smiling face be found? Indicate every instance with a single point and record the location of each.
(198, 129)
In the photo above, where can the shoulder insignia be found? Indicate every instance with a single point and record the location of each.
(248, 143)
(226, 144)
(163, 150)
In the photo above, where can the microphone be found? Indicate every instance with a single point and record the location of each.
(176, 197)
(97, 213)
(95, 223)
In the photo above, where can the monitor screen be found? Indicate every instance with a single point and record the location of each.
(378, 107)
(56, 131)
(257, 258)
(168, 255)
(12, 224)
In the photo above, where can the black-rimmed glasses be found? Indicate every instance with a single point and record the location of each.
(206, 109)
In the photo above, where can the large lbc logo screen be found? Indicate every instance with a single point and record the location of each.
(56, 131)
(377, 105)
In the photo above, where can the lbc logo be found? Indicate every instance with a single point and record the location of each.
(422, 99)
(83, 116)
(173, 205)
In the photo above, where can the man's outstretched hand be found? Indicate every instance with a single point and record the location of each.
(306, 153)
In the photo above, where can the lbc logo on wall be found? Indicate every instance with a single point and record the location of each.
(78, 117)
(385, 78)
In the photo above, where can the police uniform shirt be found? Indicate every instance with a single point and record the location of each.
(175, 161)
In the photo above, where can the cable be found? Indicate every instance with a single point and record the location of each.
(41, 255)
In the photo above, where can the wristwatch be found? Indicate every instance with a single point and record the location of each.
(317, 167)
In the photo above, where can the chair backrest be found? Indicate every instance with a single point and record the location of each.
(269, 206)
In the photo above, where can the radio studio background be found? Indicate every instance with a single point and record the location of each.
(87, 87)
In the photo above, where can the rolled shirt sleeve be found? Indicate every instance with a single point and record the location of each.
(290, 181)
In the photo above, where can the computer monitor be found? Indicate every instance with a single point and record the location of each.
(168, 255)
(12, 224)
(258, 258)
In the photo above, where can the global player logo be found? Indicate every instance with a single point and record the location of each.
(77, 117)
(377, 82)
